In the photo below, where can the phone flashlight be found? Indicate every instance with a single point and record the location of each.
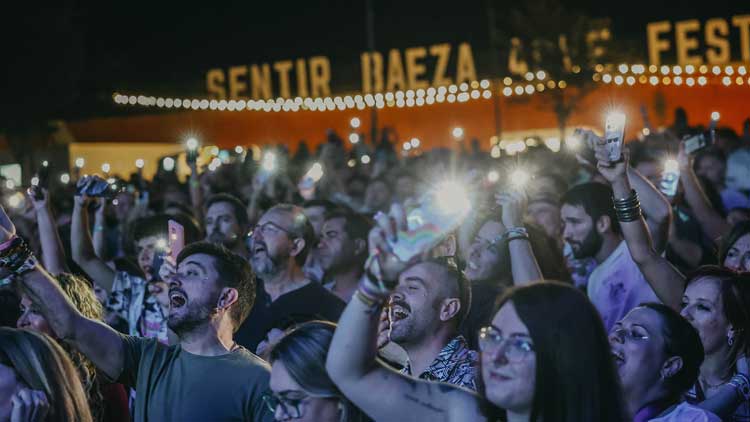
(670, 177)
(614, 133)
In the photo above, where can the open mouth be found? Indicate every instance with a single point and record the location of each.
(399, 312)
(259, 249)
(618, 357)
(177, 299)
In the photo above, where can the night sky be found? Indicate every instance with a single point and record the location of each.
(66, 60)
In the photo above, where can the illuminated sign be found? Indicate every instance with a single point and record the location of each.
(690, 43)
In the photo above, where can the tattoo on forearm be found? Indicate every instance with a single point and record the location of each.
(425, 405)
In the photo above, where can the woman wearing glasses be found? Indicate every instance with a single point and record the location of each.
(545, 357)
(658, 355)
(300, 387)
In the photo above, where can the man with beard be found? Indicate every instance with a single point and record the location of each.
(342, 251)
(204, 377)
(591, 228)
(227, 222)
(279, 246)
(427, 307)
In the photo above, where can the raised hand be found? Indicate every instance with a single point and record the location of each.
(513, 203)
(612, 171)
(39, 197)
(387, 266)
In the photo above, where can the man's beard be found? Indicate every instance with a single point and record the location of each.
(230, 242)
(590, 245)
(266, 266)
(194, 316)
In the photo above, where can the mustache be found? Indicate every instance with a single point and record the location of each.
(401, 304)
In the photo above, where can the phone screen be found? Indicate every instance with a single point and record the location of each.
(614, 133)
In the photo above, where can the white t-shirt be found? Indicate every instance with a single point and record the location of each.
(617, 285)
(686, 412)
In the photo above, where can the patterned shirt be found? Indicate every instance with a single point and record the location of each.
(131, 301)
(456, 364)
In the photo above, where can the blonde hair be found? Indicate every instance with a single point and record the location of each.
(81, 294)
(43, 365)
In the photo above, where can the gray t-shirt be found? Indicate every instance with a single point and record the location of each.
(174, 385)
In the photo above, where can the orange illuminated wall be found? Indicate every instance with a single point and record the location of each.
(431, 124)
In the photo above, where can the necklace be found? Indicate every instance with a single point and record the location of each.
(712, 386)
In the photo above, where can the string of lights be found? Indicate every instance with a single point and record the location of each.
(688, 75)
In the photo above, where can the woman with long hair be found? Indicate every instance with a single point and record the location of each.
(545, 357)
(32, 361)
(715, 300)
(300, 386)
(108, 402)
(658, 355)
(735, 250)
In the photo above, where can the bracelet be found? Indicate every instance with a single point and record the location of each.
(741, 384)
(514, 233)
(627, 209)
(367, 300)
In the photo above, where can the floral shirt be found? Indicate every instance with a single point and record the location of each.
(456, 364)
(131, 301)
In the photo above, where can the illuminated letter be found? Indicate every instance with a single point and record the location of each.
(686, 43)
(715, 28)
(414, 69)
(283, 68)
(237, 86)
(215, 84)
(395, 71)
(656, 45)
(301, 78)
(743, 23)
(465, 71)
(443, 53)
(261, 81)
(320, 76)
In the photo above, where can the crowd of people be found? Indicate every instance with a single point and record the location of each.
(375, 284)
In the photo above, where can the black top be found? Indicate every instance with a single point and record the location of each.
(311, 301)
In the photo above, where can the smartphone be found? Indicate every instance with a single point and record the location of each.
(670, 178)
(43, 176)
(95, 186)
(695, 143)
(156, 264)
(176, 239)
(191, 156)
(614, 135)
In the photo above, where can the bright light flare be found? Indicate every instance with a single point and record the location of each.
(671, 165)
(140, 163)
(106, 167)
(65, 178)
(458, 132)
(493, 176)
(80, 162)
(451, 198)
(519, 178)
(715, 116)
(16, 200)
(192, 143)
(355, 122)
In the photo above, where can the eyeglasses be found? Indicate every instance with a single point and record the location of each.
(515, 348)
(624, 333)
(269, 229)
(291, 406)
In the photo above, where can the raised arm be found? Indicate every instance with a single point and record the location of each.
(53, 254)
(99, 241)
(196, 193)
(82, 247)
(712, 224)
(667, 282)
(524, 267)
(656, 207)
(94, 339)
(382, 393)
